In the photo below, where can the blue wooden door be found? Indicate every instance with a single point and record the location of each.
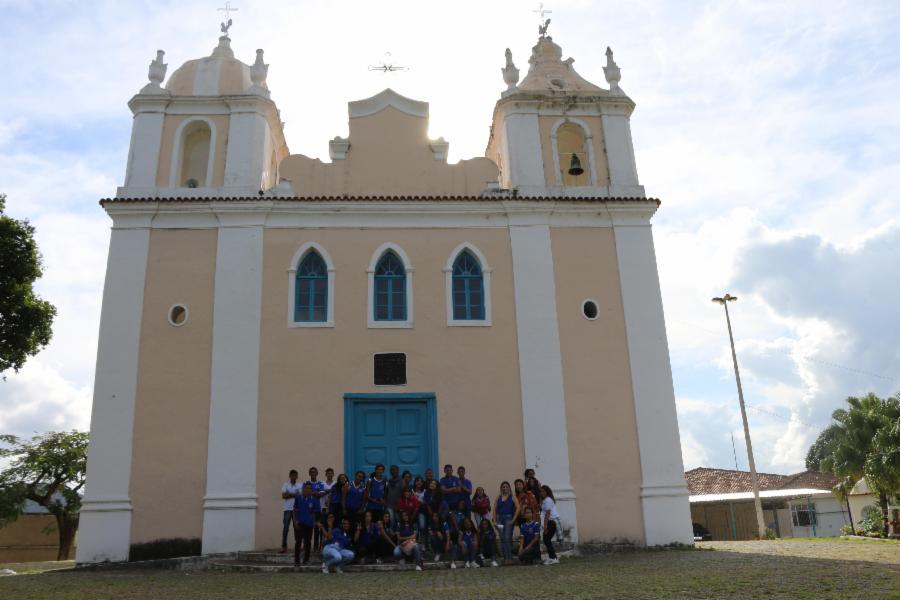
(397, 432)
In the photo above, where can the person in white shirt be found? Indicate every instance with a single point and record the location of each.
(551, 523)
(290, 490)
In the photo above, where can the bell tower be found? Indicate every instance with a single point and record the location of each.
(212, 130)
(557, 134)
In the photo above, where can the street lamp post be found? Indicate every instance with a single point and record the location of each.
(760, 521)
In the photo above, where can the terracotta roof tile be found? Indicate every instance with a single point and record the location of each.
(183, 199)
(703, 480)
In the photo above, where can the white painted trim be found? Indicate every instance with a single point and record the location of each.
(234, 390)
(581, 308)
(178, 140)
(664, 493)
(490, 214)
(383, 99)
(105, 530)
(299, 255)
(486, 291)
(187, 314)
(588, 149)
(370, 297)
(540, 363)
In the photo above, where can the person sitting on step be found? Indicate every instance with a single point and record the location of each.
(406, 541)
(487, 540)
(336, 551)
(468, 542)
(530, 542)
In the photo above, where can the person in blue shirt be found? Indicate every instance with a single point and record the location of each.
(336, 499)
(353, 495)
(406, 541)
(465, 488)
(487, 539)
(530, 542)
(450, 486)
(336, 552)
(439, 533)
(375, 493)
(365, 537)
(304, 522)
(468, 541)
(506, 513)
(387, 540)
(318, 491)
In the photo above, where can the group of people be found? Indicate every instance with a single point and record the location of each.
(377, 517)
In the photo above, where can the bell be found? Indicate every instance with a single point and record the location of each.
(575, 166)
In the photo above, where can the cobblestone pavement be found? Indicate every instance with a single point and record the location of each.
(769, 569)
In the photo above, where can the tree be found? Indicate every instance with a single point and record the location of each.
(25, 319)
(856, 450)
(50, 471)
(821, 447)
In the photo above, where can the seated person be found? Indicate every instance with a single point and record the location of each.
(439, 534)
(406, 541)
(336, 551)
(387, 539)
(365, 538)
(487, 538)
(468, 543)
(529, 543)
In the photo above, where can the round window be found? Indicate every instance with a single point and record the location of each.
(590, 310)
(178, 315)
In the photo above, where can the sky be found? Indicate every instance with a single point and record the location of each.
(769, 130)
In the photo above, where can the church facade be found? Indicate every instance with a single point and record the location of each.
(265, 311)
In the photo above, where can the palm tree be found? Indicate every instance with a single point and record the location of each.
(855, 451)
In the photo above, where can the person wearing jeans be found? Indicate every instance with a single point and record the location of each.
(304, 522)
(506, 511)
(336, 553)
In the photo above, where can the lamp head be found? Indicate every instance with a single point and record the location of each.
(724, 299)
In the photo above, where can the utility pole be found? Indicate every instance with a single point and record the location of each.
(754, 481)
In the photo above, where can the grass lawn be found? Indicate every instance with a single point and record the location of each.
(767, 569)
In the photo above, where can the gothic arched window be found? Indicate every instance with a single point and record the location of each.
(468, 288)
(311, 292)
(390, 289)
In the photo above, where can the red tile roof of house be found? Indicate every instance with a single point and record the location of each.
(704, 480)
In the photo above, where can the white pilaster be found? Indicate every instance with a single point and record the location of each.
(105, 529)
(664, 494)
(540, 363)
(146, 140)
(229, 507)
(246, 159)
(523, 143)
(623, 177)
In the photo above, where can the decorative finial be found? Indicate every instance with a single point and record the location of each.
(542, 29)
(542, 23)
(510, 73)
(613, 74)
(226, 24)
(156, 73)
(259, 70)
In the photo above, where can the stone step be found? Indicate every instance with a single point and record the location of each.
(243, 566)
(277, 558)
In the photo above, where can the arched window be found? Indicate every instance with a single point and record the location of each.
(570, 141)
(468, 288)
(311, 291)
(390, 289)
(195, 148)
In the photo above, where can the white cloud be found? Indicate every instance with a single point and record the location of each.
(757, 123)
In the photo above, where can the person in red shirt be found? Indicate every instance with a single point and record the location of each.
(409, 504)
(481, 506)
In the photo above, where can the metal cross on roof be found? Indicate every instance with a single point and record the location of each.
(386, 66)
(226, 24)
(543, 24)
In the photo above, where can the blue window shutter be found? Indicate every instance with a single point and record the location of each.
(467, 288)
(311, 290)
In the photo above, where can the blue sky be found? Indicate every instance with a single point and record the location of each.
(769, 130)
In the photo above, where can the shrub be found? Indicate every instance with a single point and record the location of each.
(871, 522)
(165, 548)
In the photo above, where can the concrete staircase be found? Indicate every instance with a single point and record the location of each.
(271, 561)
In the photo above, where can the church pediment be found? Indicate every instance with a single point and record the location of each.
(388, 152)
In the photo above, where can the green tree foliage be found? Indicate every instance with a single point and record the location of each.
(25, 319)
(821, 447)
(864, 442)
(49, 470)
